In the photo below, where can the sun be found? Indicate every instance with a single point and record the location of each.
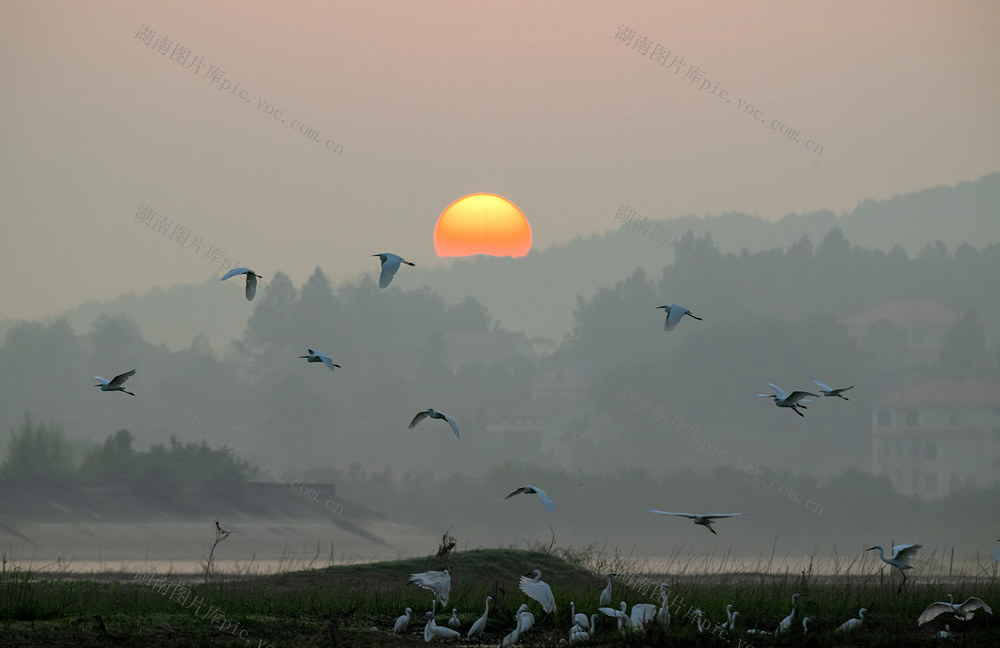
(482, 223)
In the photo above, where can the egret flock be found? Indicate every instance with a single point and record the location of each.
(643, 615)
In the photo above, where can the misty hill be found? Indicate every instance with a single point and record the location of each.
(538, 294)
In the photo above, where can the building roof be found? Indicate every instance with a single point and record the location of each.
(906, 312)
(945, 393)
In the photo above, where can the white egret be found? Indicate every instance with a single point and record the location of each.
(434, 414)
(623, 619)
(525, 619)
(539, 590)
(699, 616)
(510, 639)
(829, 391)
(729, 616)
(755, 631)
(433, 630)
(529, 490)
(784, 399)
(319, 356)
(730, 625)
(606, 592)
(704, 519)
(578, 618)
(402, 622)
(454, 622)
(115, 384)
(852, 624)
(996, 554)
(946, 633)
(963, 611)
(786, 623)
(643, 614)
(252, 278)
(805, 624)
(900, 558)
(675, 312)
(663, 615)
(390, 264)
(438, 582)
(480, 625)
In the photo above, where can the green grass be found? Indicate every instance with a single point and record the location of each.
(340, 605)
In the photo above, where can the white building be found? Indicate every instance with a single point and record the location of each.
(936, 436)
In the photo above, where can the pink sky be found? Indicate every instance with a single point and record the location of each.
(434, 100)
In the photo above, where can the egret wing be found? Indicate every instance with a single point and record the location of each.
(973, 603)
(713, 516)
(251, 285)
(932, 611)
(419, 417)
(687, 515)
(546, 500)
(105, 381)
(451, 422)
(822, 386)
(540, 591)
(327, 361)
(798, 395)
(234, 272)
(905, 552)
(121, 378)
(779, 392)
(516, 492)
(389, 268)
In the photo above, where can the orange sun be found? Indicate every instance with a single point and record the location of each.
(482, 223)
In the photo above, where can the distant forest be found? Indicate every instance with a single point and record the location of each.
(770, 316)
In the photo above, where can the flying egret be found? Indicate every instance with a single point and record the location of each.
(829, 391)
(542, 495)
(252, 278)
(480, 625)
(390, 264)
(963, 611)
(434, 414)
(402, 622)
(786, 623)
(319, 356)
(539, 590)
(606, 592)
(704, 519)
(578, 618)
(675, 312)
(784, 399)
(438, 582)
(454, 622)
(900, 558)
(852, 624)
(115, 384)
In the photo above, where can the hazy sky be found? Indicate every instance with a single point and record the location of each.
(539, 102)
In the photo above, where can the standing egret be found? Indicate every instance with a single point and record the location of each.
(829, 391)
(996, 554)
(852, 624)
(675, 312)
(946, 633)
(963, 611)
(252, 278)
(606, 592)
(402, 622)
(539, 590)
(786, 623)
(434, 414)
(480, 625)
(432, 630)
(319, 356)
(438, 582)
(623, 619)
(704, 519)
(115, 384)
(731, 615)
(699, 617)
(900, 558)
(390, 264)
(429, 626)
(784, 399)
(578, 618)
(663, 615)
(529, 490)
(525, 619)
(643, 614)
(453, 622)
(805, 624)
